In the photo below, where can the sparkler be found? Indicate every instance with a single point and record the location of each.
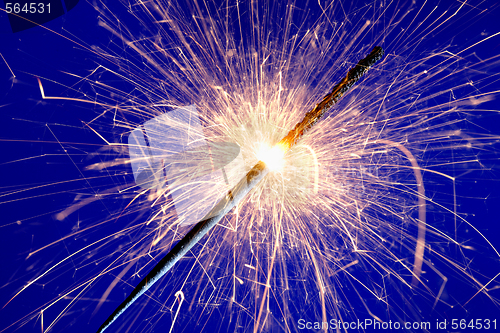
(330, 236)
(252, 178)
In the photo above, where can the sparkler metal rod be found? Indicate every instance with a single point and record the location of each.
(252, 178)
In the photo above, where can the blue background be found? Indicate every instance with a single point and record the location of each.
(44, 142)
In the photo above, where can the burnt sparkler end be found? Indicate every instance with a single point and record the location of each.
(313, 116)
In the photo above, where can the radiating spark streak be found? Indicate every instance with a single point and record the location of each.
(36, 187)
(103, 139)
(253, 177)
(481, 41)
(40, 141)
(87, 283)
(320, 282)
(366, 287)
(202, 267)
(7, 65)
(343, 268)
(178, 295)
(419, 251)
(483, 288)
(112, 285)
(316, 168)
(270, 271)
(112, 89)
(366, 307)
(66, 258)
(134, 47)
(42, 92)
(443, 285)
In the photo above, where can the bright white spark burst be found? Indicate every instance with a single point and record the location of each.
(333, 234)
(273, 156)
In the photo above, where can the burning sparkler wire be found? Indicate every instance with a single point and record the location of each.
(252, 178)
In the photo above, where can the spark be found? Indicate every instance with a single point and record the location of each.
(10, 69)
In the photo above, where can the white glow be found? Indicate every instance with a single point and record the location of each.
(274, 157)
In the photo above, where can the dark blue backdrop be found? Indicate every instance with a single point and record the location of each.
(45, 148)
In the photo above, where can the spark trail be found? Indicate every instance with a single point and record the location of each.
(252, 178)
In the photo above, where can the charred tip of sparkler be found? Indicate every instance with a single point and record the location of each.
(378, 53)
(375, 55)
(358, 71)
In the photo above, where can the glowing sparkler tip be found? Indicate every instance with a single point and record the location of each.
(274, 157)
